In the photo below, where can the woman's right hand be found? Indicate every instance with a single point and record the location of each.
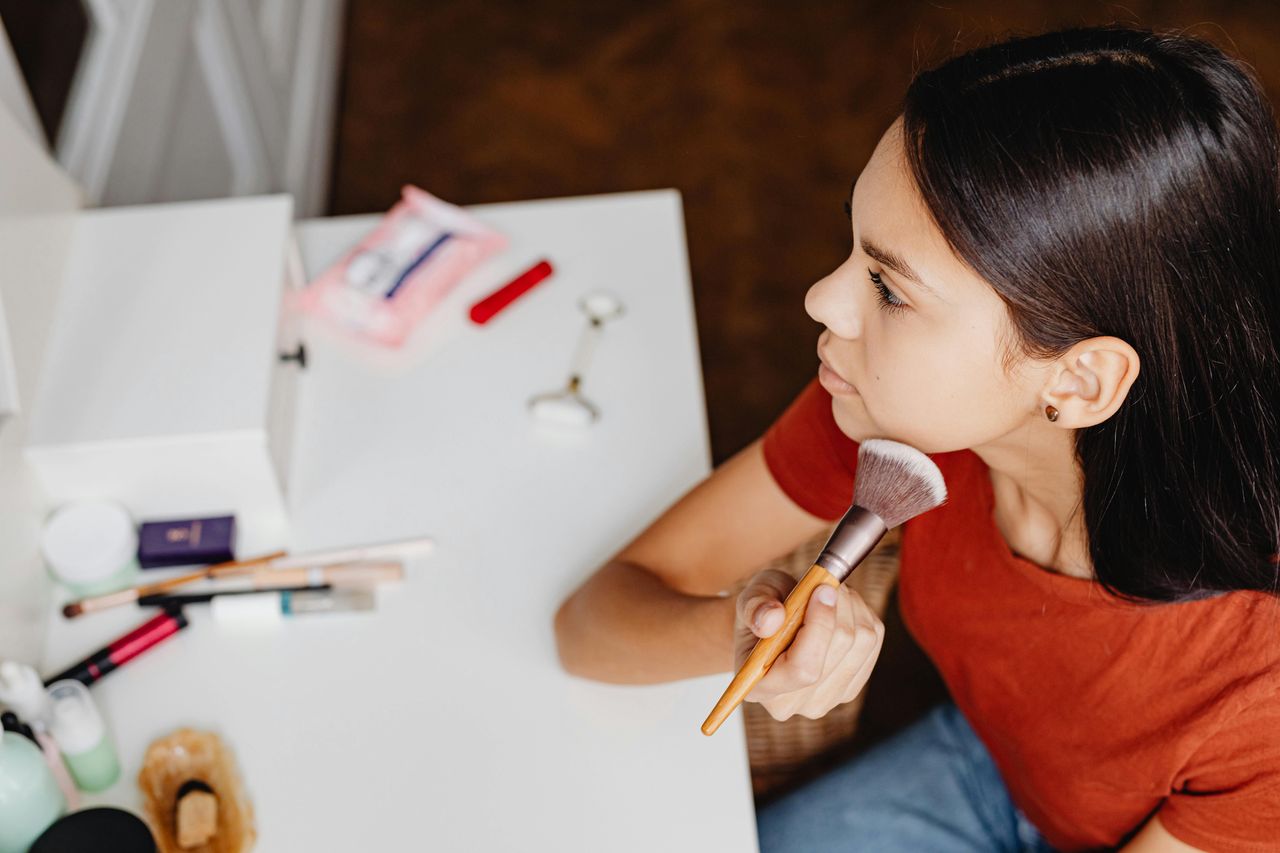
(831, 657)
(655, 611)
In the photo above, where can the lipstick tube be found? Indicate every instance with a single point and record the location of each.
(145, 636)
(485, 310)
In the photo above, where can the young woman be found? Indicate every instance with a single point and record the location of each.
(1064, 285)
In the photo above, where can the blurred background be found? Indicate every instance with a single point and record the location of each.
(760, 114)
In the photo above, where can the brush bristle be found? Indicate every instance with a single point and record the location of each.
(896, 481)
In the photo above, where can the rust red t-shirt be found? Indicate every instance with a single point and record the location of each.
(1098, 712)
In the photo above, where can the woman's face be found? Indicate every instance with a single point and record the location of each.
(914, 339)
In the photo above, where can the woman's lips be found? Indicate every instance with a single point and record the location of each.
(831, 380)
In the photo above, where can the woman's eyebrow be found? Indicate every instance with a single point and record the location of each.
(890, 259)
(895, 262)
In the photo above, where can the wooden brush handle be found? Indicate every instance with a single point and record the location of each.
(230, 567)
(126, 596)
(767, 649)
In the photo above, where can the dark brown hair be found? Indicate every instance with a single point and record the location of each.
(1116, 181)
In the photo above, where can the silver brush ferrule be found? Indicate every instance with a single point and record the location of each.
(854, 537)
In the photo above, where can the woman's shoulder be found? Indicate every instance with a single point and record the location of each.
(1228, 788)
(1245, 626)
(1232, 641)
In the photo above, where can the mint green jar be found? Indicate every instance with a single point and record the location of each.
(82, 735)
(29, 796)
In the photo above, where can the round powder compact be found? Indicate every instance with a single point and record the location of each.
(91, 546)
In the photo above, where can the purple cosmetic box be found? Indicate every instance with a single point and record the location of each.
(186, 542)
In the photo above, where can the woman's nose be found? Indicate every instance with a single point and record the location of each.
(832, 301)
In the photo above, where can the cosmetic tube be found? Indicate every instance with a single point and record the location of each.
(125, 649)
(272, 607)
(82, 736)
(493, 304)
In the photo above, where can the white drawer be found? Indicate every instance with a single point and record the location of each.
(290, 360)
(163, 385)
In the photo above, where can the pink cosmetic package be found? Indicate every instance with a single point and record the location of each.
(384, 286)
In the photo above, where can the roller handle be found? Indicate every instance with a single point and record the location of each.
(767, 649)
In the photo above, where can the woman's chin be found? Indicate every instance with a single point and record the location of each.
(851, 418)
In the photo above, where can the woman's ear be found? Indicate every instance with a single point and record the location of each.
(1088, 383)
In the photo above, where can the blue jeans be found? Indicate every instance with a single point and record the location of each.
(932, 787)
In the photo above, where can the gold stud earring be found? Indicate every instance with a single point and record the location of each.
(1051, 413)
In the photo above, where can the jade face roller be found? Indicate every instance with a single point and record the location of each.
(568, 406)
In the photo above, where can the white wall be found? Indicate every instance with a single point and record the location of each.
(195, 99)
(37, 217)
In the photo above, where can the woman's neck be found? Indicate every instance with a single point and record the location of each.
(1038, 488)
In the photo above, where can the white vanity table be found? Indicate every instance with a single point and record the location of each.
(443, 721)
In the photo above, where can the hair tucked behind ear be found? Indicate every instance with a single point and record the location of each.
(1112, 181)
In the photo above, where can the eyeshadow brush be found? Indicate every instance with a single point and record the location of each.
(125, 596)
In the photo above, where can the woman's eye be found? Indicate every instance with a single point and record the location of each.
(888, 299)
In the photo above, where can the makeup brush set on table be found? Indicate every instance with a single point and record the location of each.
(58, 745)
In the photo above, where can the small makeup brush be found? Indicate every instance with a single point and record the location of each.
(894, 483)
(278, 561)
(403, 549)
(124, 596)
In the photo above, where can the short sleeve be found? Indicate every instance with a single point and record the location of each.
(809, 457)
(1230, 800)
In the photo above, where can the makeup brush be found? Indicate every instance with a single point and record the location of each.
(278, 561)
(313, 578)
(402, 549)
(124, 596)
(894, 483)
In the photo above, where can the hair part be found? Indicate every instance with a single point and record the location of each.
(1121, 182)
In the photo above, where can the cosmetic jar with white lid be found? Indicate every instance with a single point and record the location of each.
(91, 547)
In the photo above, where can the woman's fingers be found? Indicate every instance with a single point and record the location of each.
(845, 631)
(760, 603)
(840, 643)
(831, 656)
(802, 664)
(873, 636)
